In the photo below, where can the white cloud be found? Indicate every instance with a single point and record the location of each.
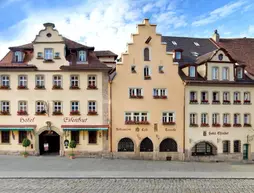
(219, 13)
(148, 7)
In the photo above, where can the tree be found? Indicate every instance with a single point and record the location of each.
(72, 145)
(25, 143)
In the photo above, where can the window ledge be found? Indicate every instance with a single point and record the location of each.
(57, 88)
(74, 88)
(40, 114)
(92, 88)
(75, 114)
(92, 144)
(193, 102)
(39, 88)
(48, 61)
(204, 103)
(57, 114)
(57, 58)
(169, 123)
(136, 97)
(22, 88)
(194, 125)
(247, 103)
(92, 114)
(5, 114)
(1, 88)
(147, 78)
(39, 58)
(5, 143)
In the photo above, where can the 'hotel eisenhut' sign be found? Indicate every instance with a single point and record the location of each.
(65, 119)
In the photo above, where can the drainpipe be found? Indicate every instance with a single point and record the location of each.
(184, 119)
(110, 116)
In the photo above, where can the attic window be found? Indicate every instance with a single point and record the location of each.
(195, 54)
(174, 43)
(18, 56)
(178, 55)
(82, 56)
(196, 44)
(239, 72)
(192, 71)
(49, 35)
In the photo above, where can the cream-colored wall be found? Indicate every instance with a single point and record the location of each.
(107, 58)
(186, 71)
(169, 80)
(202, 70)
(195, 134)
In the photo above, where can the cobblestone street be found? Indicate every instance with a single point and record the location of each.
(127, 185)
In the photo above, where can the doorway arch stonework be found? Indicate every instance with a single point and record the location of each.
(45, 128)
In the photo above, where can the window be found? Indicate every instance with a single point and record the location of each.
(40, 83)
(216, 97)
(40, 107)
(5, 81)
(5, 107)
(226, 146)
(82, 56)
(195, 54)
(75, 136)
(133, 69)
(74, 81)
(136, 117)
(18, 56)
(22, 105)
(92, 82)
(39, 55)
(168, 117)
(215, 119)
(161, 69)
(92, 135)
(192, 71)
(174, 43)
(204, 119)
(135, 92)
(5, 137)
(246, 96)
(22, 81)
(237, 97)
(203, 148)
(57, 81)
(204, 97)
(193, 119)
(146, 54)
(57, 55)
(147, 72)
(193, 97)
(22, 136)
(226, 98)
(57, 107)
(239, 73)
(246, 118)
(220, 57)
(159, 93)
(237, 146)
(178, 55)
(91, 106)
(74, 106)
(48, 55)
(226, 119)
(126, 145)
(196, 44)
(225, 73)
(236, 119)
(215, 73)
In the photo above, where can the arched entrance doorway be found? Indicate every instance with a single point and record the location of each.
(49, 143)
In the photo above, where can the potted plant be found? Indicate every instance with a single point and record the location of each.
(72, 145)
(25, 143)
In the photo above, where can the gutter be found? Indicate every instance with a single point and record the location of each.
(110, 116)
(184, 120)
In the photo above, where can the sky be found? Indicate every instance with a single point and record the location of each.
(108, 24)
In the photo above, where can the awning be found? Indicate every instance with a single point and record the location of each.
(86, 129)
(16, 128)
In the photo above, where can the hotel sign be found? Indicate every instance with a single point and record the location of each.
(65, 119)
(205, 133)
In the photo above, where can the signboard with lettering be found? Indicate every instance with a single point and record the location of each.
(205, 133)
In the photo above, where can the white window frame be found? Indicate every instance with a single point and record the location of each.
(168, 117)
(18, 56)
(226, 118)
(239, 73)
(237, 96)
(160, 92)
(58, 106)
(40, 80)
(92, 106)
(48, 53)
(192, 71)
(246, 96)
(134, 92)
(217, 96)
(22, 106)
(147, 71)
(215, 118)
(215, 73)
(206, 96)
(161, 69)
(82, 56)
(178, 55)
(136, 116)
(227, 98)
(74, 80)
(5, 80)
(237, 118)
(5, 106)
(194, 96)
(57, 80)
(74, 106)
(40, 106)
(225, 73)
(22, 80)
(204, 118)
(246, 118)
(92, 80)
(193, 118)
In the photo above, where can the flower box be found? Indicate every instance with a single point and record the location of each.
(237, 102)
(147, 77)
(193, 125)
(136, 97)
(237, 125)
(204, 125)
(247, 102)
(4, 87)
(204, 102)
(5, 113)
(92, 87)
(168, 123)
(22, 113)
(160, 97)
(216, 102)
(247, 125)
(74, 87)
(137, 123)
(39, 87)
(55, 87)
(226, 102)
(216, 125)
(40, 113)
(226, 125)
(161, 71)
(57, 113)
(193, 101)
(22, 87)
(74, 113)
(92, 113)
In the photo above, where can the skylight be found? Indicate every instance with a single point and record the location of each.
(174, 43)
(195, 54)
(196, 44)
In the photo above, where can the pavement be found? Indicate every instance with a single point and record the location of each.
(55, 167)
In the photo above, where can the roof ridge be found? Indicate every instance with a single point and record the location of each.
(187, 37)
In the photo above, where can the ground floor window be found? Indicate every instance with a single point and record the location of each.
(146, 145)
(75, 136)
(126, 144)
(168, 145)
(22, 136)
(226, 146)
(5, 137)
(237, 146)
(92, 135)
(202, 148)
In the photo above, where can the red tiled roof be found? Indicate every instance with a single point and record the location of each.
(241, 50)
(102, 53)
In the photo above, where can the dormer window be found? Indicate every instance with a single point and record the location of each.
(146, 54)
(18, 56)
(178, 55)
(192, 71)
(239, 73)
(82, 56)
(48, 54)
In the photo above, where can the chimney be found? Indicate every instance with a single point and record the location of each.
(146, 21)
(216, 36)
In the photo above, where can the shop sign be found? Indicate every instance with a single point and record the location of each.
(26, 119)
(170, 129)
(74, 120)
(123, 129)
(215, 133)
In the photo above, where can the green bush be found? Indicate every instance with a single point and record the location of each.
(72, 145)
(25, 143)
